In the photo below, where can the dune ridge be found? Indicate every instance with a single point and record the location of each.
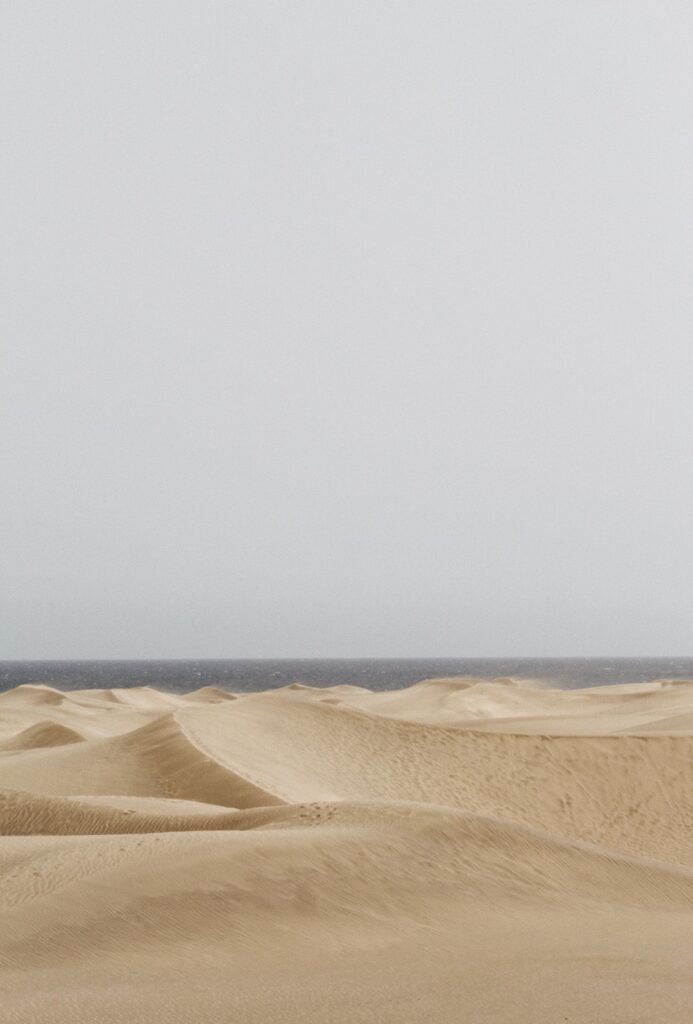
(208, 856)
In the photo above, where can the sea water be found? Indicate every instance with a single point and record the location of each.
(375, 673)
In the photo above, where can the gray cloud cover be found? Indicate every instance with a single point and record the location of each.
(346, 329)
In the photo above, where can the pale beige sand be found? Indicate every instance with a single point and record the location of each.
(461, 851)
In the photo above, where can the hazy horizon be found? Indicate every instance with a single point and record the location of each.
(346, 331)
(567, 658)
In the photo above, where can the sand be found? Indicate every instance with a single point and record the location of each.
(460, 851)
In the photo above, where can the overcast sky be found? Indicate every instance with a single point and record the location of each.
(347, 328)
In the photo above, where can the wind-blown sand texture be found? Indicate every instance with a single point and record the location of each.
(459, 851)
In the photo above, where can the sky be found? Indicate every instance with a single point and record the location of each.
(346, 329)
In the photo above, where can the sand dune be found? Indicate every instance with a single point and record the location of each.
(42, 734)
(461, 850)
(209, 695)
(32, 694)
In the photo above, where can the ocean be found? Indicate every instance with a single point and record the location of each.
(248, 676)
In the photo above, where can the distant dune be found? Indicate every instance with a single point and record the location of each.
(464, 850)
